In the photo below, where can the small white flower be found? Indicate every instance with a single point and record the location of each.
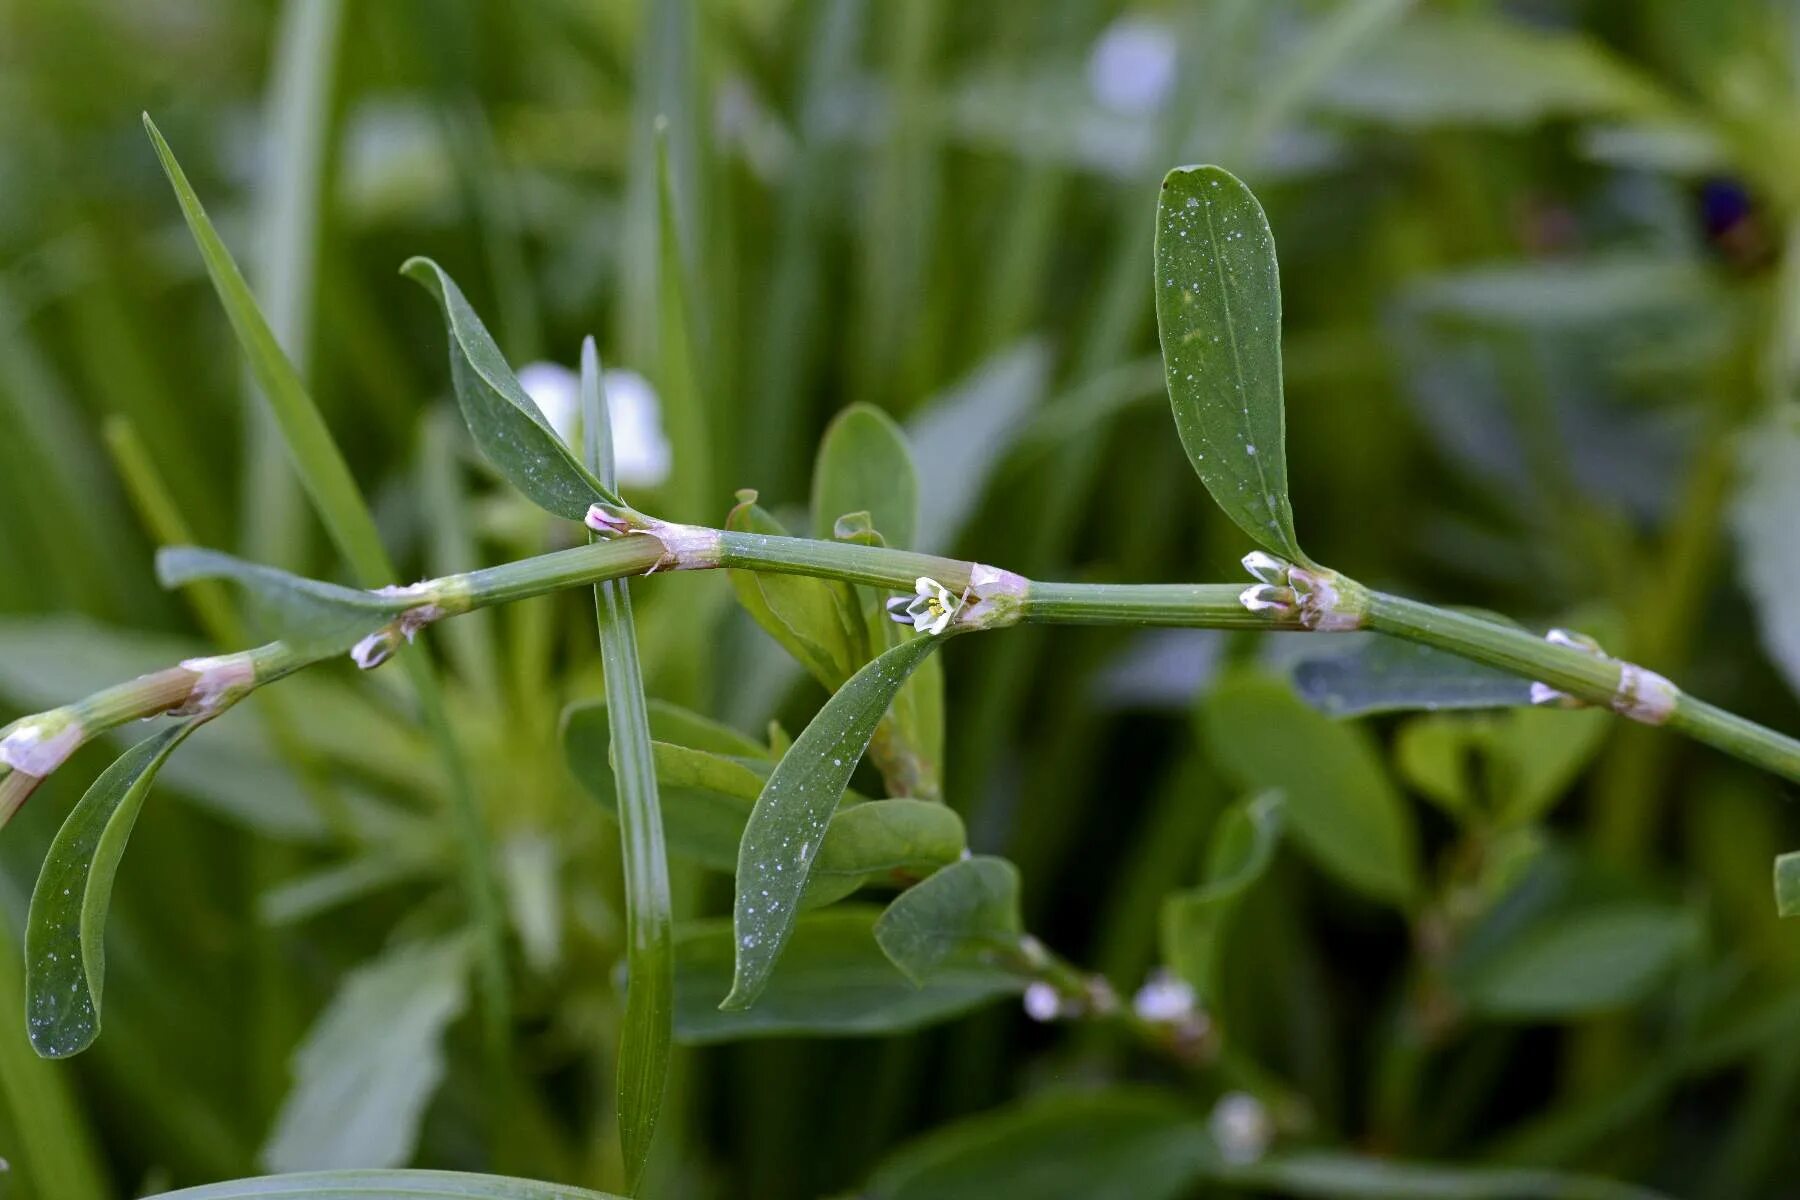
(1261, 597)
(1543, 694)
(1241, 1128)
(1164, 998)
(1132, 68)
(1266, 568)
(929, 611)
(1043, 1002)
(641, 452)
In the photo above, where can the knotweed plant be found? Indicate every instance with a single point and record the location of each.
(865, 616)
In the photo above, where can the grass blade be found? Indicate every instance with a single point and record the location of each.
(648, 1027)
(791, 815)
(371, 1061)
(1218, 306)
(298, 124)
(316, 456)
(347, 519)
(385, 1185)
(65, 949)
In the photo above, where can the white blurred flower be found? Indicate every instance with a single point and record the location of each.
(1043, 1002)
(640, 449)
(1132, 67)
(1164, 998)
(1241, 1128)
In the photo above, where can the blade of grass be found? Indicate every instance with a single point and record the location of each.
(691, 477)
(385, 1185)
(648, 1028)
(327, 479)
(298, 122)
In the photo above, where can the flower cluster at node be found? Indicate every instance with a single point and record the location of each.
(929, 610)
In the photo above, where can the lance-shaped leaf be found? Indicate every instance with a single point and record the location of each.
(894, 840)
(1340, 804)
(809, 617)
(65, 947)
(372, 1060)
(791, 815)
(865, 465)
(503, 419)
(1376, 673)
(1787, 884)
(339, 503)
(1194, 921)
(646, 1031)
(1218, 307)
(707, 798)
(311, 616)
(385, 1185)
(968, 911)
(833, 981)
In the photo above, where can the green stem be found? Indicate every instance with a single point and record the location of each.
(1587, 677)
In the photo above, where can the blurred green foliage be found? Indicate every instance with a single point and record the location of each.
(1542, 314)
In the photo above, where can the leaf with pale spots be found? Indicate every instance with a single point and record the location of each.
(65, 950)
(790, 817)
(1218, 308)
(504, 420)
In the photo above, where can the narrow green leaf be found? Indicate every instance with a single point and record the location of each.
(311, 616)
(1762, 517)
(1475, 67)
(1342, 807)
(316, 456)
(645, 1033)
(1194, 921)
(1374, 673)
(790, 816)
(678, 346)
(348, 520)
(961, 437)
(807, 616)
(707, 799)
(865, 465)
(1218, 306)
(385, 1185)
(1111, 1144)
(833, 981)
(54, 1148)
(1535, 754)
(65, 943)
(1569, 963)
(1787, 884)
(503, 420)
(371, 1062)
(1333, 1175)
(683, 727)
(969, 910)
